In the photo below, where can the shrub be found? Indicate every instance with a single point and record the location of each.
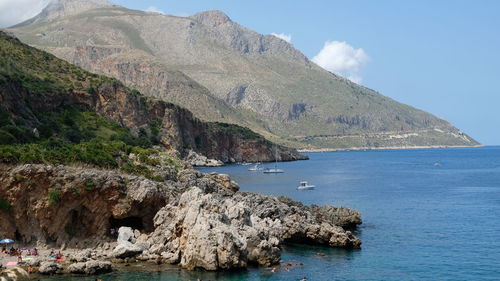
(89, 185)
(5, 205)
(77, 191)
(54, 197)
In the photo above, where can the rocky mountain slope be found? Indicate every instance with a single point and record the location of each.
(43, 97)
(223, 71)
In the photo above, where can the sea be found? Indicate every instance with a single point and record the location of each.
(428, 214)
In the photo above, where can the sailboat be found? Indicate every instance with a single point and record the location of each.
(255, 167)
(274, 170)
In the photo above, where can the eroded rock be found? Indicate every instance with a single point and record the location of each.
(50, 267)
(220, 231)
(90, 267)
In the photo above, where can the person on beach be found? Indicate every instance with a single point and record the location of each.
(59, 255)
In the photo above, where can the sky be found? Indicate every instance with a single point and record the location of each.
(439, 56)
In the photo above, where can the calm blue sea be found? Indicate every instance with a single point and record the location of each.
(429, 214)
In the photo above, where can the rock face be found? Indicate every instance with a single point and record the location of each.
(50, 267)
(177, 128)
(222, 230)
(200, 220)
(225, 72)
(67, 205)
(90, 267)
(197, 160)
(13, 274)
(126, 247)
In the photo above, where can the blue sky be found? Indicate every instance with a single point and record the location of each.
(439, 56)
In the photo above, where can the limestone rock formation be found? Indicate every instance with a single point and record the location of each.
(200, 221)
(214, 231)
(50, 267)
(174, 128)
(90, 267)
(126, 247)
(197, 160)
(13, 274)
(67, 205)
(225, 72)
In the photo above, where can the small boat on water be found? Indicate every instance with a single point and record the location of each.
(305, 186)
(273, 171)
(255, 167)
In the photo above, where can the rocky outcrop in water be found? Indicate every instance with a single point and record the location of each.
(197, 160)
(50, 267)
(13, 274)
(197, 221)
(90, 267)
(213, 230)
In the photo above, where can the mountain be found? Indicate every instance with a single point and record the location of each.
(222, 71)
(54, 112)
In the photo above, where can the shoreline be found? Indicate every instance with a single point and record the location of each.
(308, 150)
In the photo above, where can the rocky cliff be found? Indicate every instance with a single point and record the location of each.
(192, 219)
(34, 82)
(225, 72)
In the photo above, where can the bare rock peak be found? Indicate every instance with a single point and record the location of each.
(76, 6)
(211, 18)
(61, 8)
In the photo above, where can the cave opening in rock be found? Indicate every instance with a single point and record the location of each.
(133, 222)
(18, 236)
(79, 223)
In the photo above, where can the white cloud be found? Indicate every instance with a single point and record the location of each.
(342, 59)
(286, 37)
(16, 11)
(154, 10)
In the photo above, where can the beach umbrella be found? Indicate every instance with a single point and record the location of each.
(6, 241)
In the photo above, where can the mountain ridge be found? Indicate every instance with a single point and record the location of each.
(254, 80)
(35, 84)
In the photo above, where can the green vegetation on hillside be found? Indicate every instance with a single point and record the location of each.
(40, 72)
(74, 136)
(67, 134)
(234, 75)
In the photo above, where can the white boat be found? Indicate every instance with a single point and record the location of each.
(255, 167)
(305, 186)
(273, 171)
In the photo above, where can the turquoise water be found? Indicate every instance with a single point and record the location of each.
(422, 221)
